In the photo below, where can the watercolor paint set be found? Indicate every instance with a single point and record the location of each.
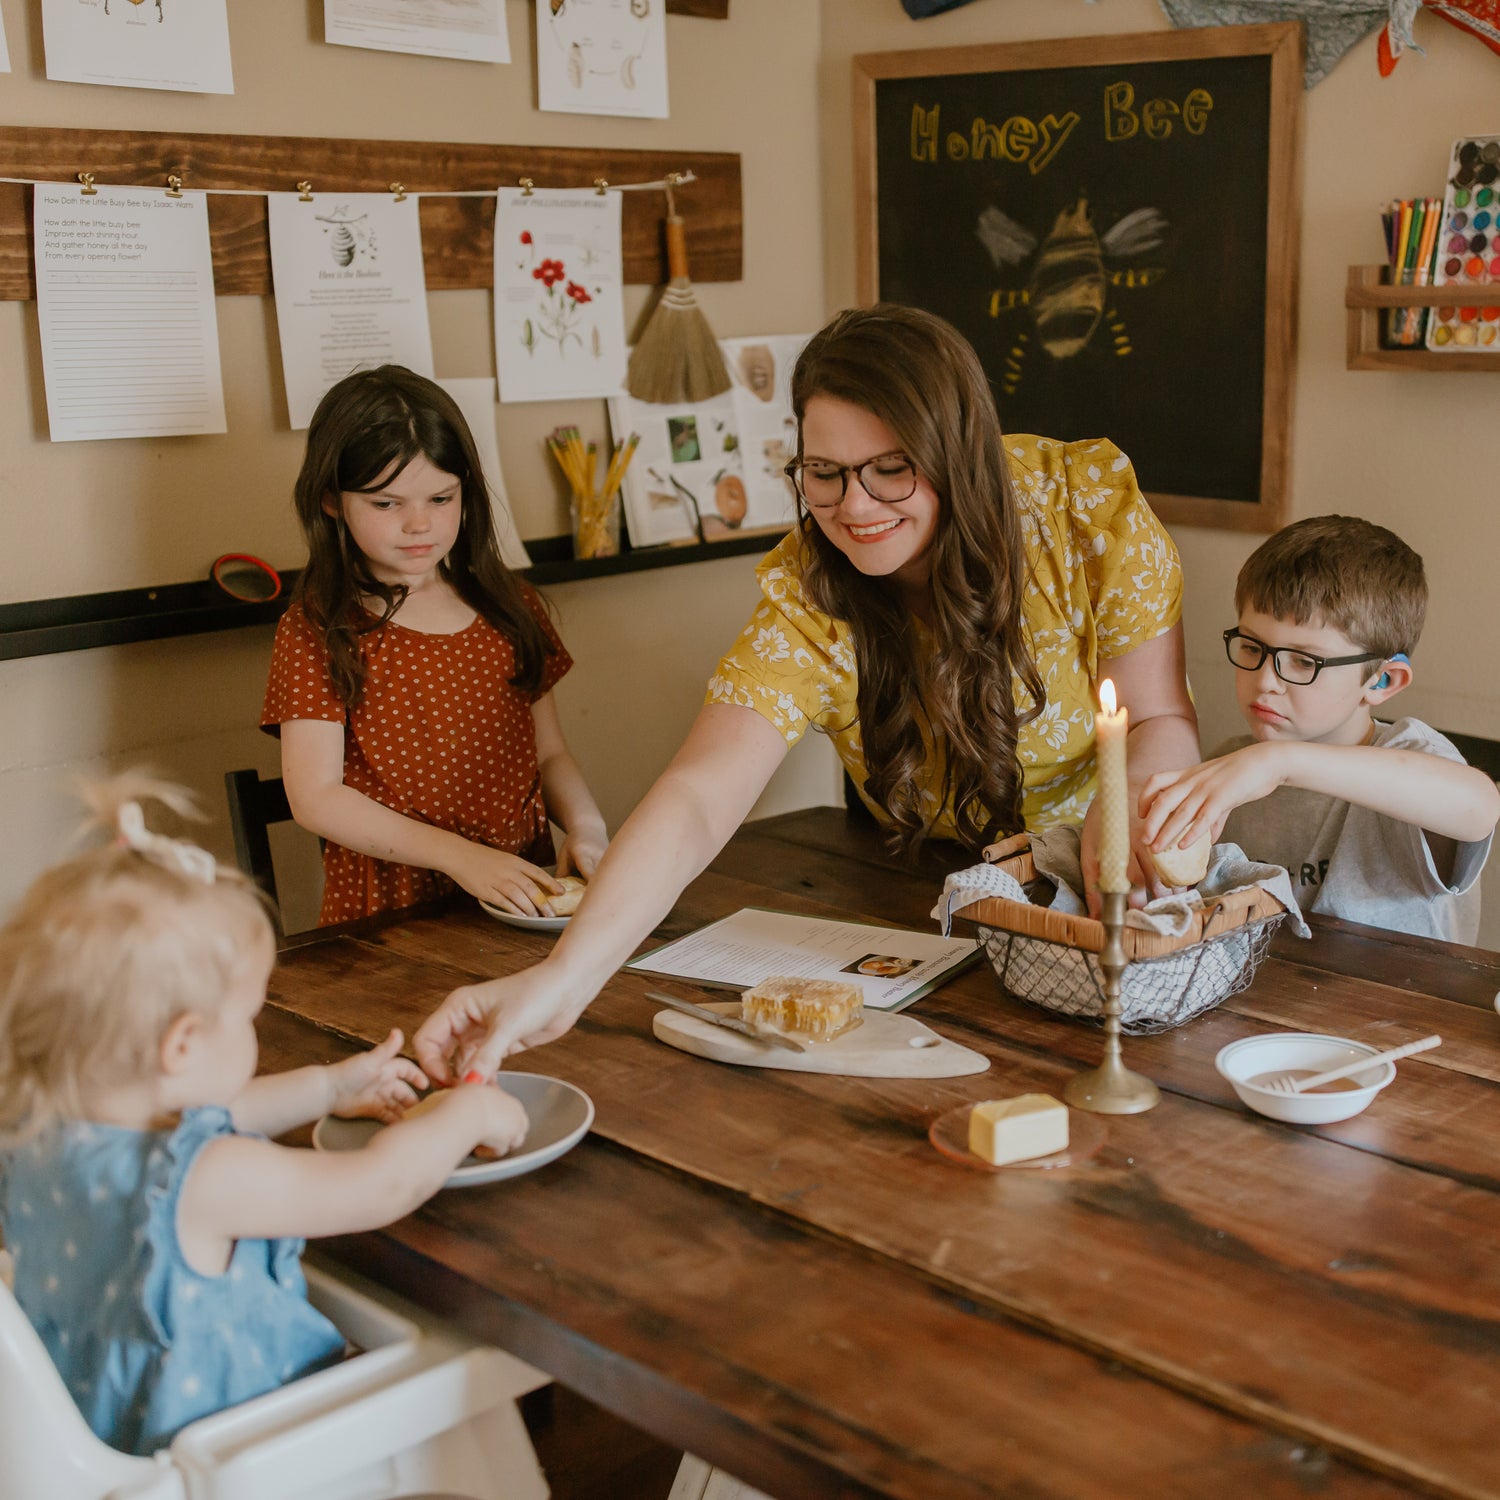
(1467, 252)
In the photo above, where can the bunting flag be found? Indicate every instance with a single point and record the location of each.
(1480, 18)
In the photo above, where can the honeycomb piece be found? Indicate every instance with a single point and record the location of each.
(818, 1009)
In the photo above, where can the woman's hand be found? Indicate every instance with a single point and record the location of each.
(478, 1026)
(1179, 807)
(582, 850)
(378, 1084)
(504, 880)
(1144, 887)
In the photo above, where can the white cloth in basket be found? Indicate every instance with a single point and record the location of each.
(1055, 855)
(1156, 993)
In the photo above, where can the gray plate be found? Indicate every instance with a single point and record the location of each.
(559, 1114)
(532, 924)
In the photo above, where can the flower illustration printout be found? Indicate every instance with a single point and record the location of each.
(559, 319)
(139, 44)
(602, 57)
(469, 29)
(351, 291)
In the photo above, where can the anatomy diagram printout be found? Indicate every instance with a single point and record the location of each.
(125, 303)
(139, 44)
(351, 290)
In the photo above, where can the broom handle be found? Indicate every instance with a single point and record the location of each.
(677, 266)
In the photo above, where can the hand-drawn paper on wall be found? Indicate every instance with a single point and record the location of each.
(351, 291)
(708, 470)
(559, 318)
(602, 57)
(125, 304)
(476, 400)
(4, 50)
(139, 44)
(470, 29)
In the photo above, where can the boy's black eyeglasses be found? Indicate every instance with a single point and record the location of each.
(1298, 668)
(889, 478)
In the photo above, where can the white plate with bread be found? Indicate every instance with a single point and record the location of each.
(558, 1116)
(573, 889)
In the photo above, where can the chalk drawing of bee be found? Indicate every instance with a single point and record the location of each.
(1068, 291)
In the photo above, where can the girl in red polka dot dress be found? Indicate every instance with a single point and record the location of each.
(411, 680)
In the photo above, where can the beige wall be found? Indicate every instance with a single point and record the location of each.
(100, 515)
(1399, 448)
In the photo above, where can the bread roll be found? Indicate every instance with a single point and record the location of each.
(1183, 866)
(566, 904)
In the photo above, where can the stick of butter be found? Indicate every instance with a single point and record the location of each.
(1006, 1130)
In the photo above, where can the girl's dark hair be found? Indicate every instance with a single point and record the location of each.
(366, 430)
(923, 380)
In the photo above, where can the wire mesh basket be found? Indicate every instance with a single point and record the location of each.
(1051, 959)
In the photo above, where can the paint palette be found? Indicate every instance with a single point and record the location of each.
(1468, 248)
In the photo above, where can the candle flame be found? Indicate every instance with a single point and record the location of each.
(1107, 696)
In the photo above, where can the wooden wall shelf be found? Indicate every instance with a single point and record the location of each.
(1369, 293)
(457, 233)
(80, 622)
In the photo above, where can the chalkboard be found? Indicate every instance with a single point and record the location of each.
(1112, 222)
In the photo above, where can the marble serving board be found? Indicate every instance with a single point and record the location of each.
(883, 1046)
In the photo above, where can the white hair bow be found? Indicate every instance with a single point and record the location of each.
(175, 854)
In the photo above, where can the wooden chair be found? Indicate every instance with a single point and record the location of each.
(254, 804)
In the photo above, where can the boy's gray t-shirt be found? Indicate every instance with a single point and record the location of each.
(1352, 862)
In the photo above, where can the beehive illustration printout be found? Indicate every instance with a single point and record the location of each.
(351, 290)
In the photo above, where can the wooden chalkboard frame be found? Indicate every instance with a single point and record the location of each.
(1282, 43)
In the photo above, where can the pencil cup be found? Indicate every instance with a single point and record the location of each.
(1401, 327)
(596, 526)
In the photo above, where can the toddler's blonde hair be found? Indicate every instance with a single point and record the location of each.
(106, 950)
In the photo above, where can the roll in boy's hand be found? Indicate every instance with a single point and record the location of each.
(378, 1084)
(1179, 807)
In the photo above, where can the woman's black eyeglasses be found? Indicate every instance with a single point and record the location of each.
(1297, 668)
(889, 478)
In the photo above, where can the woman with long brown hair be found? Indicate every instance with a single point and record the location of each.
(941, 610)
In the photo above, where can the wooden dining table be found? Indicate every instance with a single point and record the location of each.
(777, 1271)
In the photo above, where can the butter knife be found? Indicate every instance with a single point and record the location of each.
(730, 1023)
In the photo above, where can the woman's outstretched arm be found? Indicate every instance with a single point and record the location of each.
(682, 822)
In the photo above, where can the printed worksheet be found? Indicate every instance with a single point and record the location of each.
(125, 305)
(602, 57)
(351, 291)
(139, 44)
(891, 965)
(477, 400)
(469, 29)
(559, 313)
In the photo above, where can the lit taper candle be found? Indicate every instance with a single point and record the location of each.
(1111, 725)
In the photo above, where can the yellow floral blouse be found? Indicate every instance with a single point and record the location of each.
(1103, 579)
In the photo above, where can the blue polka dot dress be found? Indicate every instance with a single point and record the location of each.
(145, 1343)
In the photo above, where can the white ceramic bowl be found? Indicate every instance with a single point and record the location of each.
(1289, 1051)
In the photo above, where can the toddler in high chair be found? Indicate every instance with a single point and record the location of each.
(411, 680)
(155, 1231)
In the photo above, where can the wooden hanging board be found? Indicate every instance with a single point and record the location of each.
(457, 233)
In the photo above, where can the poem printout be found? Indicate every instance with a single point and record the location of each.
(125, 304)
(351, 291)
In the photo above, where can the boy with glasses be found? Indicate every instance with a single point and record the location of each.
(1378, 822)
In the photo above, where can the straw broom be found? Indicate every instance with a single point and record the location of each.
(677, 357)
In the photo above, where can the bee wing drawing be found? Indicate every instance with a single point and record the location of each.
(1007, 242)
(1136, 233)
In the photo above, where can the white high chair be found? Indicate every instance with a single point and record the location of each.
(421, 1411)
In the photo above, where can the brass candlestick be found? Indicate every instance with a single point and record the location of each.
(1111, 1088)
